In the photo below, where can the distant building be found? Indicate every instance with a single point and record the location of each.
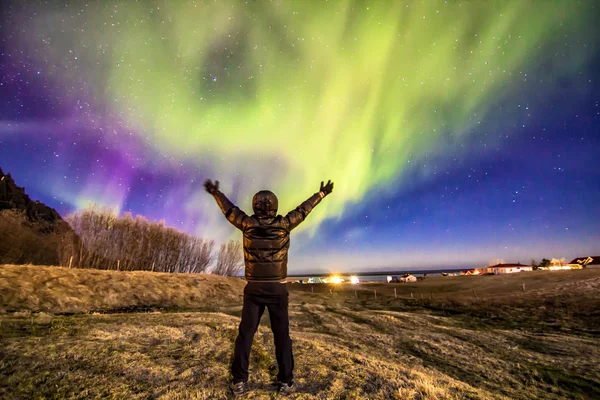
(408, 278)
(557, 264)
(562, 264)
(508, 268)
(475, 271)
(586, 262)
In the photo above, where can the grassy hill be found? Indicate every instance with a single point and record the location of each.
(63, 290)
(441, 348)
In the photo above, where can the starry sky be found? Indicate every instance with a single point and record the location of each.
(458, 133)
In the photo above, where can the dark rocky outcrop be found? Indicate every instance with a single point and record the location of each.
(30, 231)
(13, 197)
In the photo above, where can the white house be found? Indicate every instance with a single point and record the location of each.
(408, 278)
(508, 268)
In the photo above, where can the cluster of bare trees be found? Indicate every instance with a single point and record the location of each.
(125, 243)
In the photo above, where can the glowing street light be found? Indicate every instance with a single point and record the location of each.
(336, 279)
(354, 280)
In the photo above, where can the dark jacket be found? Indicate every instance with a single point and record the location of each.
(266, 237)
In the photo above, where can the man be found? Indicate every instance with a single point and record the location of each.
(266, 244)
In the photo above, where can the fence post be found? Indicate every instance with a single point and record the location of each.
(375, 291)
(330, 292)
(411, 295)
(118, 265)
(395, 296)
(70, 262)
(523, 286)
(312, 289)
(355, 296)
(422, 295)
(152, 266)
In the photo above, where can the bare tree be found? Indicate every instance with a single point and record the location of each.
(230, 259)
(102, 240)
(128, 243)
(196, 255)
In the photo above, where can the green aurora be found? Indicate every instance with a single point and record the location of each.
(287, 94)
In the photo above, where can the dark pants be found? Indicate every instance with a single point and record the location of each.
(254, 306)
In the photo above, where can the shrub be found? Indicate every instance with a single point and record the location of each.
(31, 242)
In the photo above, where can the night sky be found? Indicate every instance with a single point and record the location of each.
(457, 133)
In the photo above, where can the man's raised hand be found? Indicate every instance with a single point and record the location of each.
(326, 189)
(211, 187)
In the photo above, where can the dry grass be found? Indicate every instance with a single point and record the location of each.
(187, 355)
(344, 349)
(63, 290)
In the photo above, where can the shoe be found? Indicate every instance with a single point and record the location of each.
(238, 389)
(286, 389)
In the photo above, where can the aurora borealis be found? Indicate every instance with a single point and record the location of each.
(455, 132)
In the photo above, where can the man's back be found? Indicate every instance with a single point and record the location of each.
(266, 244)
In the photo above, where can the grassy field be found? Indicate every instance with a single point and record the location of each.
(464, 286)
(499, 343)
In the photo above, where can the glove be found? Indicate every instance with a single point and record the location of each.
(326, 189)
(211, 187)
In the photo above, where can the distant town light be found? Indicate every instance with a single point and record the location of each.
(354, 280)
(389, 279)
(336, 279)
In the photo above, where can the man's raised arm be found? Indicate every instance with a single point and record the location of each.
(295, 217)
(231, 211)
